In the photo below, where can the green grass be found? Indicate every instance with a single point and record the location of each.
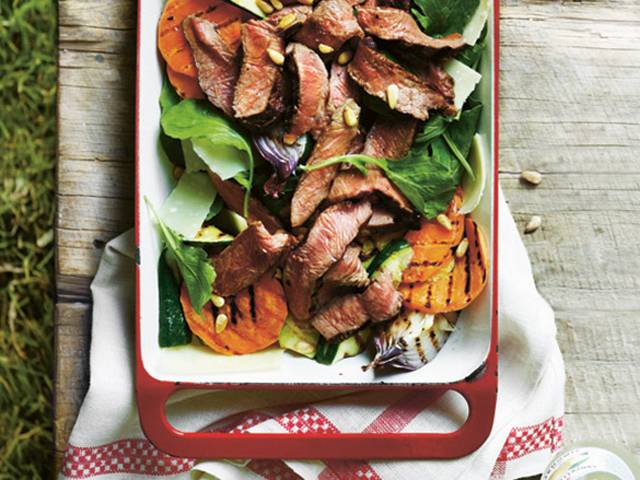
(27, 158)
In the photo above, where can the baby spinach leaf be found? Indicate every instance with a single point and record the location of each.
(443, 17)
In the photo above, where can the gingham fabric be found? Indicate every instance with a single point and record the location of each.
(107, 441)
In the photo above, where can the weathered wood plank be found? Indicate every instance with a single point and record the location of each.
(72, 340)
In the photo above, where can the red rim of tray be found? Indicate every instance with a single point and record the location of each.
(479, 390)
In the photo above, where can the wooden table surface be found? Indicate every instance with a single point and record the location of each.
(570, 108)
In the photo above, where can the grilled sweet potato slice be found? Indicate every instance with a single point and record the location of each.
(432, 233)
(454, 290)
(256, 316)
(186, 86)
(427, 261)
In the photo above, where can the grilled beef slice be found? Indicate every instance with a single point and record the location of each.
(374, 72)
(399, 27)
(258, 95)
(348, 271)
(314, 186)
(312, 88)
(389, 138)
(343, 277)
(301, 12)
(252, 253)
(381, 219)
(332, 23)
(341, 88)
(438, 78)
(379, 302)
(233, 195)
(334, 229)
(217, 58)
(382, 301)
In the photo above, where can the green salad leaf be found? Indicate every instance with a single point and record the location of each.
(472, 54)
(171, 146)
(168, 95)
(432, 170)
(214, 139)
(443, 17)
(193, 263)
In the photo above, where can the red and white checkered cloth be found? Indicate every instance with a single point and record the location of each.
(107, 441)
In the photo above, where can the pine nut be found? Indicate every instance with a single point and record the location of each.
(277, 4)
(217, 300)
(275, 56)
(392, 96)
(286, 21)
(221, 322)
(462, 248)
(177, 172)
(532, 177)
(289, 139)
(345, 57)
(324, 48)
(444, 221)
(264, 6)
(350, 117)
(534, 224)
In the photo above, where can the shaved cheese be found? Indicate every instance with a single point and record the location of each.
(465, 80)
(186, 208)
(192, 162)
(473, 30)
(224, 160)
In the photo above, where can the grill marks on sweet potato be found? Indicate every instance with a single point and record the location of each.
(256, 316)
(449, 291)
(432, 233)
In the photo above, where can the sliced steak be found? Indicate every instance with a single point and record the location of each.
(332, 23)
(233, 196)
(375, 72)
(399, 27)
(301, 12)
(313, 188)
(341, 88)
(343, 277)
(312, 88)
(348, 271)
(381, 219)
(258, 94)
(437, 77)
(379, 302)
(334, 229)
(389, 138)
(343, 315)
(252, 253)
(217, 57)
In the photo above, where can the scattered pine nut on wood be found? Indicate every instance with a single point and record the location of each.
(531, 176)
(533, 225)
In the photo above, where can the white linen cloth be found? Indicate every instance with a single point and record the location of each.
(107, 440)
